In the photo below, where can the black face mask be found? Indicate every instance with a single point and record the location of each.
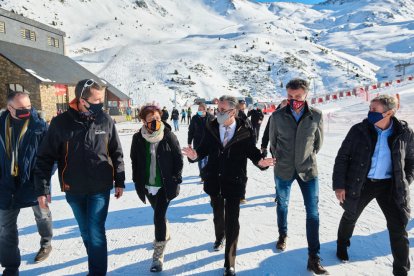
(94, 108)
(23, 114)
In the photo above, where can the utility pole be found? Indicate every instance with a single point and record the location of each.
(402, 67)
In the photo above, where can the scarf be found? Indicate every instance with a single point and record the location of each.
(153, 138)
(13, 153)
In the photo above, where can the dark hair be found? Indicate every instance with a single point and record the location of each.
(14, 94)
(86, 90)
(149, 109)
(296, 84)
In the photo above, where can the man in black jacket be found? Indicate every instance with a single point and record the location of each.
(256, 116)
(85, 143)
(175, 116)
(376, 160)
(21, 131)
(196, 131)
(228, 142)
(165, 115)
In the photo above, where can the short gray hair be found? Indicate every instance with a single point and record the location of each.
(232, 101)
(389, 102)
(12, 95)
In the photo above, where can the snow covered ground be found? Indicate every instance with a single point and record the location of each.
(130, 230)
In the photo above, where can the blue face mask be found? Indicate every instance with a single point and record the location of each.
(374, 117)
(200, 113)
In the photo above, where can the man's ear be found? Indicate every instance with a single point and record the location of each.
(9, 108)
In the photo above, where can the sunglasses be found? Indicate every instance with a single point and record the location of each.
(87, 84)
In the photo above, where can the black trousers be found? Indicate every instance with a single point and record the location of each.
(396, 223)
(159, 204)
(256, 129)
(226, 224)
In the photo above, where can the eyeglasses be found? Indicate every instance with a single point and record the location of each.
(88, 83)
(222, 112)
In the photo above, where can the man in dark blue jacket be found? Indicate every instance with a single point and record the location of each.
(21, 131)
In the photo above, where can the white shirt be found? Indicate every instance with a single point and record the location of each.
(232, 130)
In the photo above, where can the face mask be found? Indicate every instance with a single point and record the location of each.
(255, 108)
(296, 104)
(201, 113)
(94, 108)
(154, 125)
(221, 118)
(23, 114)
(374, 117)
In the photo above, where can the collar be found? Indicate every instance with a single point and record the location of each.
(232, 126)
(385, 131)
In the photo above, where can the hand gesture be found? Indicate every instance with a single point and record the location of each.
(190, 153)
(268, 162)
(340, 195)
(44, 201)
(119, 192)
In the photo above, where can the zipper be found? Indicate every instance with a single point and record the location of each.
(63, 188)
(162, 177)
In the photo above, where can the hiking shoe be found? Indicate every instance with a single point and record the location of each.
(314, 265)
(43, 254)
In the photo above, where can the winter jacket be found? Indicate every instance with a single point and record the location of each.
(175, 114)
(165, 115)
(21, 194)
(88, 153)
(197, 128)
(242, 115)
(256, 116)
(225, 172)
(295, 144)
(169, 162)
(353, 163)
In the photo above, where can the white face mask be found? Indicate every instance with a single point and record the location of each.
(222, 118)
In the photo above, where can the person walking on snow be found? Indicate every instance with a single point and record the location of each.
(157, 165)
(84, 142)
(296, 136)
(376, 161)
(228, 142)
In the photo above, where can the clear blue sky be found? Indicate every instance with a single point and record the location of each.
(300, 1)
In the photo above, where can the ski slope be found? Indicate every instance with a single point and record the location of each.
(130, 230)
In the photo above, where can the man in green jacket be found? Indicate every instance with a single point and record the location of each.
(296, 135)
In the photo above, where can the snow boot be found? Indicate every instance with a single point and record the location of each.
(158, 256)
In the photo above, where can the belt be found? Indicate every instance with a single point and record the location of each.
(379, 180)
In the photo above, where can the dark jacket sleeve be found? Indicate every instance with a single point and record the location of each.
(409, 159)
(253, 153)
(342, 161)
(261, 115)
(47, 155)
(191, 130)
(265, 138)
(117, 157)
(177, 158)
(249, 113)
(139, 187)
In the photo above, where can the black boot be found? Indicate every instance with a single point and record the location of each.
(281, 243)
(314, 265)
(229, 271)
(218, 245)
(342, 250)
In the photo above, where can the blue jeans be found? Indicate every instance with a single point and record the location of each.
(176, 125)
(310, 193)
(90, 212)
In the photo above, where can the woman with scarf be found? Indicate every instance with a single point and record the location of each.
(157, 164)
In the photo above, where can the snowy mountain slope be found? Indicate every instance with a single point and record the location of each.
(152, 49)
(379, 31)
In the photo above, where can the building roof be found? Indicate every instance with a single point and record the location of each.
(31, 22)
(51, 68)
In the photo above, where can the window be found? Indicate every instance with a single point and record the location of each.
(28, 34)
(54, 42)
(15, 87)
(2, 27)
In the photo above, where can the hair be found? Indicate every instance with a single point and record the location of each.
(87, 91)
(389, 102)
(297, 83)
(232, 101)
(12, 95)
(149, 109)
(203, 105)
